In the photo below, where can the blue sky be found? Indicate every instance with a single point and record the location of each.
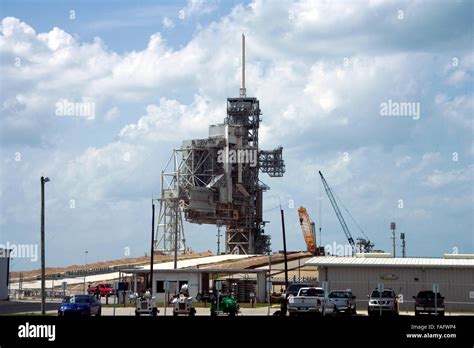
(123, 25)
(321, 70)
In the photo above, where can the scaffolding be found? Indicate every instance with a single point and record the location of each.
(169, 228)
(216, 181)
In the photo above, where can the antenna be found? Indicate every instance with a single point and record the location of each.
(402, 237)
(243, 92)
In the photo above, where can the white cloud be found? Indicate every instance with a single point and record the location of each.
(112, 114)
(403, 161)
(198, 8)
(171, 120)
(56, 39)
(458, 109)
(313, 104)
(14, 27)
(168, 23)
(442, 178)
(459, 77)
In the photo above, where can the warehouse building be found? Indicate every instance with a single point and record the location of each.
(240, 282)
(246, 276)
(4, 273)
(406, 276)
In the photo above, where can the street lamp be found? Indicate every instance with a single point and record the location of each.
(86, 252)
(269, 283)
(43, 263)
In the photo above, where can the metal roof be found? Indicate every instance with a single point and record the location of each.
(109, 277)
(390, 262)
(280, 264)
(195, 262)
(196, 270)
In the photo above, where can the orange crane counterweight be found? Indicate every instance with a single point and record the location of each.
(308, 229)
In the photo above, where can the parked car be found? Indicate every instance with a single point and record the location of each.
(387, 302)
(344, 301)
(310, 300)
(425, 303)
(292, 290)
(104, 289)
(85, 305)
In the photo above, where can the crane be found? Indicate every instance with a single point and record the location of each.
(338, 212)
(309, 230)
(363, 244)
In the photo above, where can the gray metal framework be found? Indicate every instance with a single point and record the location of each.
(271, 162)
(216, 180)
(169, 226)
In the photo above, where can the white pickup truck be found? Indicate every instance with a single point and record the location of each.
(310, 300)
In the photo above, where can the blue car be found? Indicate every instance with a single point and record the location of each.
(83, 305)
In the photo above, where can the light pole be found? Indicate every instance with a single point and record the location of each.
(284, 246)
(43, 262)
(269, 284)
(85, 271)
(176, 236)
(219, 225)
(152, 252)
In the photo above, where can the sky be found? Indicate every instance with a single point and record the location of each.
(377, 95)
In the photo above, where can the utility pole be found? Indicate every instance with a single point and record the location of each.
(85, 271)
(219, 224)
(393, 227)
(284, 247)
(43, 262)
(176, 236)
(152, 245)
(269, 284)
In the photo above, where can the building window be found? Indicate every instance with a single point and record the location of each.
(160, 286)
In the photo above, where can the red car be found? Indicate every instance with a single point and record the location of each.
(104, 289)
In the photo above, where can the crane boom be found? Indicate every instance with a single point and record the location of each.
(338, 212)
(308, 229)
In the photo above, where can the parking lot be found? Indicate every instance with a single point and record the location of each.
(33, 307)
(200, 311)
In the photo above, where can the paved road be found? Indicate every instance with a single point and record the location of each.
(11, 307)
(199, 311)
(261, 311)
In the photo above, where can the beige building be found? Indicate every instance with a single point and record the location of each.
(406, 276)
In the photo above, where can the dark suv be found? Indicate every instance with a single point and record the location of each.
(425, 303)
(292, 290)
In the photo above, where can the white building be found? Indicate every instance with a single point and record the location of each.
(454, 274)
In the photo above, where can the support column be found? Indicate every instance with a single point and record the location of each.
(261, 287)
